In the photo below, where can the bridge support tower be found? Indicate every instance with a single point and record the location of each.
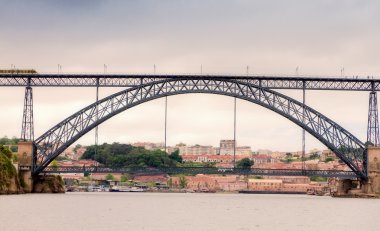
(27, 131)
(373, 121)
(25, 158)
(372, 186)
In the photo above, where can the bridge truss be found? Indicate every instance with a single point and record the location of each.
(346, 146)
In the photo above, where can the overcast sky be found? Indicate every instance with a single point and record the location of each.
(271, 37)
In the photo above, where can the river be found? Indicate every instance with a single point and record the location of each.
(185, 211)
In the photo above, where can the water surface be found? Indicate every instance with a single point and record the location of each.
(172, 211)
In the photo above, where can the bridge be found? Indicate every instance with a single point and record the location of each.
(139, 89)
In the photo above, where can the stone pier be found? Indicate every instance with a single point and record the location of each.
(373, 184)
(25, 152)
(35, 184)
(355, 188)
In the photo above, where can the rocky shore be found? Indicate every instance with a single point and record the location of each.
(12, 183)
(48, 184)
(9, 180)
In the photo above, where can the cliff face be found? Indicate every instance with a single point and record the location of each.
(9, 180)
(48, 184)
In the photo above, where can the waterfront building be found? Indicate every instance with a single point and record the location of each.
(211, 158)
(290, 179)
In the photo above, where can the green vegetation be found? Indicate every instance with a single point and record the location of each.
(175, 156)
(110, 177)
(10, 141)
(245, 163)
(78, 146)
(60, 158)
(54, 164)
(318, 178)
(328, 159)
(15, 158)
(314, 156)
(125, 155)
(7, 171)
(125, 177)
(182, 181)
(170, 182)
(5, 151)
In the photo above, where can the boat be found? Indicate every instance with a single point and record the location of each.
(137, 189)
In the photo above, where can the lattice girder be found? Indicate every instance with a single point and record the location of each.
(345, 145)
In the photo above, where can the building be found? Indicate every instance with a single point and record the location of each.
(227, 147)
(290, 179)
(149, 145)
(211, 158)
(261, 159)
(265, 185)
(185, 150)
(278, 185)
(327, 154)
(244, 151)
(212, 183)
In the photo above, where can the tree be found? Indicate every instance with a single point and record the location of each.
(175, 156)
(6, 151)
(182, 182)
(15, 158)
(54, 164)
(125, 155)
(124, 178)
(110, 177)
(245, 163)
(314, 155)
(6, 140)
(170, 182)
(328, 159)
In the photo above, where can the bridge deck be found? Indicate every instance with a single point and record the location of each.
(203, 170)
(126, 80)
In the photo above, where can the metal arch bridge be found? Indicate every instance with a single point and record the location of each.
(347, 147)
(147, 87)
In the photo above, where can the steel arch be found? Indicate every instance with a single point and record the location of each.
(345, 145)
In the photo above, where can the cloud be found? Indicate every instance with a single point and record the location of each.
(271, 37)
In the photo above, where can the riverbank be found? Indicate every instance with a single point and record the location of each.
(9, 179)
(11, 182)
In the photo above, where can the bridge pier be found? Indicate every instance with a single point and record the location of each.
(35, 184)
(372, 186)
(25, 153)
(356, 188)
